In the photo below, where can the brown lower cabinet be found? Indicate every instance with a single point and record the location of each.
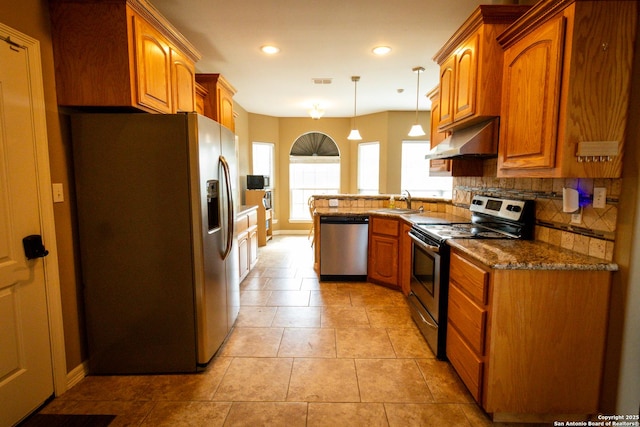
(247, 233)
(384, 251)
(528, 344)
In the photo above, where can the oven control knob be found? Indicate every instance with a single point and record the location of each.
(514, 208)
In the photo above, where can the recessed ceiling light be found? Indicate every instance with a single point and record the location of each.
(269, 49)
(381, 50)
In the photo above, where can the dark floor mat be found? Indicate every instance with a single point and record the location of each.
(62, 420)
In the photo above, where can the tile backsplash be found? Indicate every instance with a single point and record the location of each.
(594, 235)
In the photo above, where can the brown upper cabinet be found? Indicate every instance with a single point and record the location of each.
(121, 54)
(566, 85)
(471, 67)
(437, 166)
(217, 100)
(447, 167)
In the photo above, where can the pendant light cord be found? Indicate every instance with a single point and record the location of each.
(355, 97)
(418, 70)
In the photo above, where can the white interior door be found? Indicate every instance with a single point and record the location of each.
(26, 377)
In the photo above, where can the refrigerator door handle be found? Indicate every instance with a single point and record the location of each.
(230, 212)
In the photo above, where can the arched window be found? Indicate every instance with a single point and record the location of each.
(314, 168)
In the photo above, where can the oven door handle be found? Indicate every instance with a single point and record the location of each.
(420, 314)
(423, 245)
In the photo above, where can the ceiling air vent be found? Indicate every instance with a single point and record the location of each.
(322, 81)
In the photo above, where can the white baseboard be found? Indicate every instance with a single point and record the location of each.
(77, 374)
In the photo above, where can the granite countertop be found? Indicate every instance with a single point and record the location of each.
(412, 216)
(527, 255)
(496, 253)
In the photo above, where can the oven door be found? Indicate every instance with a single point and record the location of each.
(426, 275)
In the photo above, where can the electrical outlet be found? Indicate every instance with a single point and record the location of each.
(58, 193)
(576, 218)
(599, 197)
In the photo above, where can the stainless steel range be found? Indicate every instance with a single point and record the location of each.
(491, 218)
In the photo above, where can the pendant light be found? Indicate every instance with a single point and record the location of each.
(355, 134)
(316, 112)
(416, 129)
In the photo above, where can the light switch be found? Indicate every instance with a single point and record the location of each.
(58, 193)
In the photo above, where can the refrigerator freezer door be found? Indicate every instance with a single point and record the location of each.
(136, 241)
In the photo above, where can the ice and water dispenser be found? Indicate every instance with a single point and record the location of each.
(213, 204)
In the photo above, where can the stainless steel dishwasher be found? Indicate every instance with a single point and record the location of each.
(344, 247)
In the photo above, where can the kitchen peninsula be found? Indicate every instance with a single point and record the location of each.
(509, 303)
(508, 255)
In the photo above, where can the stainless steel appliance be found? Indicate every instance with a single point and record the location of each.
(156, 196)
(344, 247)
(258, 182)
(492, 218)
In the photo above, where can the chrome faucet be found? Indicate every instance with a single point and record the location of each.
(407, 198)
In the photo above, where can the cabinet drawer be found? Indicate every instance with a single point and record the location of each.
(469, 278)
(388, 227)
(468, 318)
(468, 366)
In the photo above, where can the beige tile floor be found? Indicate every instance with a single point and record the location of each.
(302, 353)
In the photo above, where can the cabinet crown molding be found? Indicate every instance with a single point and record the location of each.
(484, 14)
(154, 17)
(540, 12)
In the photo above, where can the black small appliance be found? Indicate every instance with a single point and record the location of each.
(257, 182)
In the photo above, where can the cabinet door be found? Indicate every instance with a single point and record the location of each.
(201, 94)
(253, 246)
(255, 197)
(153, 65)
(447, 91)
(225, 108)
(183, 80)
(466, 71)
(384, 260)
(437, 166)
(243, 254)
(531, 97)
(405, 259)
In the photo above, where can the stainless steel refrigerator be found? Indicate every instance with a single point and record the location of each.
(156, 196)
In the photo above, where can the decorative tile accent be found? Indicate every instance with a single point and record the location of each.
(594, 235)
(554, 226)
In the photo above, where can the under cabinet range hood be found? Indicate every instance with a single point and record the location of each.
(479, 140)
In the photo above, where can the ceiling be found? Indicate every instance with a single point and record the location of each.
(320, 39)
